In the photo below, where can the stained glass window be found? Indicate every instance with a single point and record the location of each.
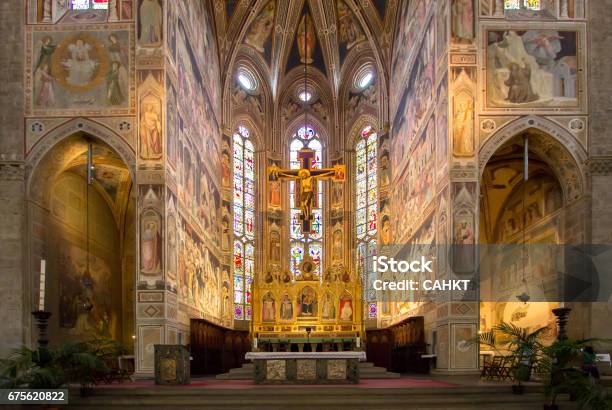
(366, 207)
(244, 221)
(306, 137)
(89, 4)
(518, 4)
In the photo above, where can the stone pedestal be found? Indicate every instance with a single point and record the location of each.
(172, 364)
(306, 367)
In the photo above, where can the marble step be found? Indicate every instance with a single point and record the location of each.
(309, 398)
(367, 370)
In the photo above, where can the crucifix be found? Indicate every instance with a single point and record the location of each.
(306, 179)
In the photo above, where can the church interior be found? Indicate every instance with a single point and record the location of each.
(221, 176)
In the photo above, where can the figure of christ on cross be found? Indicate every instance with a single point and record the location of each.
(306, 179)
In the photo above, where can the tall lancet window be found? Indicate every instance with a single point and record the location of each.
(366, 207)
(244, 221)
(306, 137)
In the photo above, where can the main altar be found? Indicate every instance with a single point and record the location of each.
(306, 367)
(312, 307)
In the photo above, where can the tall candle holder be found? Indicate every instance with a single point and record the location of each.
(42, 322)
(561, 313)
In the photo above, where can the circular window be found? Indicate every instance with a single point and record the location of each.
(305, 96)
(365, 80)
(246, 80)
(305, 93)
(364, 77)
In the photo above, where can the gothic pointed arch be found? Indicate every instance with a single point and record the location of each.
(562, 151)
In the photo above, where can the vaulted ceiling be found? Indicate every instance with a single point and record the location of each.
(270, 28)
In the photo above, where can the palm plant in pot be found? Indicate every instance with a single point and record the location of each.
(34, 369)
(46, 368)
(80, 364)
(561, 364)
(524, 346)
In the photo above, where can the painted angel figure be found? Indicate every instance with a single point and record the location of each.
(117, 51)
(543, 45)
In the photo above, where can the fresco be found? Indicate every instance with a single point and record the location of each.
(416, 185)
(442, 129)
(172, 125)
(416, 101)
(532, 68)
(259, 35)
(77, 287)
(194, 104)
(412, 22)
(86, 281)
(151, 129)
(197, 31)
(150, 23)
(442, 34)
(198, 273)
(350, 31)
(79, 71)
(462, 21)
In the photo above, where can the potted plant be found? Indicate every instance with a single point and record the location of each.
(595, 397)
(561, 364)
(51, 368)
(524, 345)
(34, 369)
(80, 365)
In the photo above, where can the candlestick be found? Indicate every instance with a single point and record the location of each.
(42, 321)
(561, 313)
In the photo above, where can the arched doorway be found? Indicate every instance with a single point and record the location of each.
(523, 225)
(86, 233)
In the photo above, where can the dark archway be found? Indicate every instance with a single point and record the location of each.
(86, 233)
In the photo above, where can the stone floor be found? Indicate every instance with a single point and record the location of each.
(406, 392)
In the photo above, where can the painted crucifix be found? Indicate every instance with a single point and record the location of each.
(306, 179)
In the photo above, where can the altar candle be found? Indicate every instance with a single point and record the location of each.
(358, 342)
(41, 295)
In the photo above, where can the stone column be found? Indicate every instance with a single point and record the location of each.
(13, 276)
(14, 280)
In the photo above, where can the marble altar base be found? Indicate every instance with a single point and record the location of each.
(306, 367)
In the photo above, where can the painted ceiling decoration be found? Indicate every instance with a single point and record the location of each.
(111, 177)
(274, 33)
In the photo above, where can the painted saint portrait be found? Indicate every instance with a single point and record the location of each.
(268, 313)
(346, 308)
(307, 303)
(150, 128)
(286, 308)
(462, 22)
(463, 124)
(150, 27)
(328, 308)
(150, 243)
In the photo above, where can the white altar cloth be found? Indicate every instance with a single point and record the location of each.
(361, 356)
